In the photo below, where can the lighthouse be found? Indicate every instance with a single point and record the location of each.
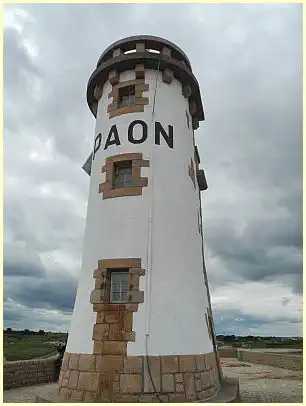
(142, 327)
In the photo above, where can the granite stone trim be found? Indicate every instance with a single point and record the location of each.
(113, 77)
(122, 378)
(201, 179)
(113, 109)
(142, 43)
(196, 159)
(192, 107)
(191, 172)
(195, 122)
(106, 187)
(170, 68)
(199, 222)
(126, 110)
(186, 90)
(167, 76)
(114, 322)
(98, 92)
(140, 71)
(197, 155)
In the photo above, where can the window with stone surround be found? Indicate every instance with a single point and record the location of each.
(187, 118)
(119, 279)
(123, 175)
(126, 97)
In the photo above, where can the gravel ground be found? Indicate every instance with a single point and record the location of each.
(258, 384)
(26, 394)
(278, 350)
(263, 383)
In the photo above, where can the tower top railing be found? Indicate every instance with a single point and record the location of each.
(151, 44)
(150, 52)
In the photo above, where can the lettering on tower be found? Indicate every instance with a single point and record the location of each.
(113, 137)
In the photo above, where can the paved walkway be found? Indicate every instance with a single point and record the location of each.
(258, 384)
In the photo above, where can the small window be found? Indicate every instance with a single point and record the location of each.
(126, 97)
(123, 175)
(119, 286)
(187, 118)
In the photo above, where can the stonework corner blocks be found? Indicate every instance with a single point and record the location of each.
(136, 86)
(199, 222)
(139, 71)
(107, 187)
(98, 92)
(114, 321)
(186, 90)
(167, 76)
(191, 172)
(115, 377)
(195, 122)
(113, 77)
(192, 107)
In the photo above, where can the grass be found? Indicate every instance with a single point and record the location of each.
(24, 347)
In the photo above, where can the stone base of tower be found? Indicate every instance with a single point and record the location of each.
(228, 393)
(121, 378)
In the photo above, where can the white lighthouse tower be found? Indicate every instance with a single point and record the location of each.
(142, 327)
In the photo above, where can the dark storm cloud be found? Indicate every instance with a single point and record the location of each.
(254, 164)
(263, 250)
(23, 268)
(239, 324)
(53, 224)
(21, 317)
(247, 59)
(11, 315)
(55, 292)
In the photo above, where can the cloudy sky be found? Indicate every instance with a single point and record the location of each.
(248, 61)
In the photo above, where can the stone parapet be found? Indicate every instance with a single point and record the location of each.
(228, 352)
(274, 359)
(27, 373)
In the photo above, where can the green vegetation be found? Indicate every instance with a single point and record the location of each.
(260, 342)
(26, 344)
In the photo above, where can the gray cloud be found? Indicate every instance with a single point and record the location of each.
(248, 61)
(19, 65)
(263, 250)
(237, 323)
(285, 301)
(20, 261)
(55, 292)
